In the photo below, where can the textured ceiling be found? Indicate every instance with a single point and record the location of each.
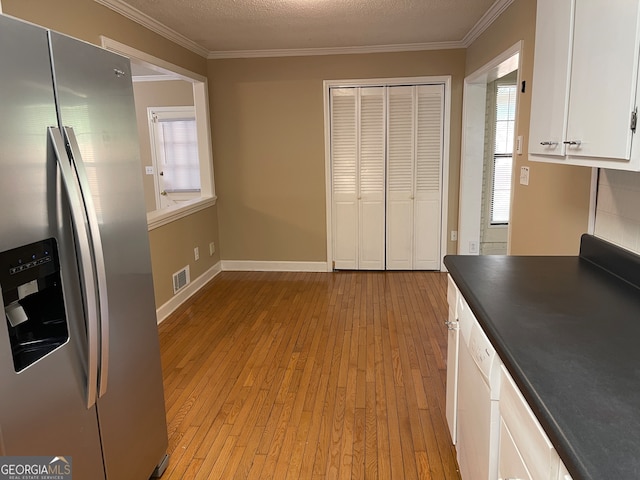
(250, 25)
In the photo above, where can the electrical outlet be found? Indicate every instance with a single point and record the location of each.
(524, 175)
(473, 246)
(196, 253)
(148, 170)
(212, 248)
(454, 235)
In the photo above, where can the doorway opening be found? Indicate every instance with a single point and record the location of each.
(172, 108)
(489, 124)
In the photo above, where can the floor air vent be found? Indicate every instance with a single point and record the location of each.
(181, 279)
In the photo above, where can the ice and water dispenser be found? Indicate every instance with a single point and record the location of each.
(33, 301)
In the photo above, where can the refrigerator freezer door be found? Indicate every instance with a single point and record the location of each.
(95, 99)
(43, 407)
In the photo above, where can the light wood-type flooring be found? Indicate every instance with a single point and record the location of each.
(309, 376)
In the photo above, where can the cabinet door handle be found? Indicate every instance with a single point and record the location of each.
(548, 143)
(573, 142)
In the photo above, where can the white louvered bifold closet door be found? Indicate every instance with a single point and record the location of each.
(358, 167)
(372, 166)
(414, 164)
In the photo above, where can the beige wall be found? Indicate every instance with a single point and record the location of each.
(268, 137)
(551, 213)
(87, 20)
(172, 249)
(173, 93)
(171, 245)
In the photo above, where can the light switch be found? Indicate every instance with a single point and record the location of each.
(519, 140)
(524, 175)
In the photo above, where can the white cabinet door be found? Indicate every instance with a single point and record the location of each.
(549, 94)
(526, 433)
(510, 463)
(603, 78)
(453, 338)
(563, 474)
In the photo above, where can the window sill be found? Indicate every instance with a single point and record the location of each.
(158, 218)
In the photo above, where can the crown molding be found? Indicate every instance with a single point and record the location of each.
(485, 21)
(305, 52)
(145, 20)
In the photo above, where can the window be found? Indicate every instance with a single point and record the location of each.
(503, 154)
(175, 154)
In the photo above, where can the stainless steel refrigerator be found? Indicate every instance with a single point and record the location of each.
(80, 372)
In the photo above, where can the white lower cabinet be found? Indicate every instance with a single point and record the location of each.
(525, 451)
(517, 448)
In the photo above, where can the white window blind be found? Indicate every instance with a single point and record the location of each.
(179, 154)
(503, 154)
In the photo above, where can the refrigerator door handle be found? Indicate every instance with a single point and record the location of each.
(98, 256)
(86, 265)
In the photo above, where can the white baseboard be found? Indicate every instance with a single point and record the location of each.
(259, 266)
(183, 295)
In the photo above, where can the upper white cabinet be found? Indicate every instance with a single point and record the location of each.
(585, 83)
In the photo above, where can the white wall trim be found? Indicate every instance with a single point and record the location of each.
(444, 207)
(153, 78)
(309, 52)
(183, 295)
(155, 26)
(267, 266)
(485, 21)
(158, 218)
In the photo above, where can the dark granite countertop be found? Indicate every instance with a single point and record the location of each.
(568, 331)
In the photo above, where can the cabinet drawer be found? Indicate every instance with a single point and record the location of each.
(534, 446)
